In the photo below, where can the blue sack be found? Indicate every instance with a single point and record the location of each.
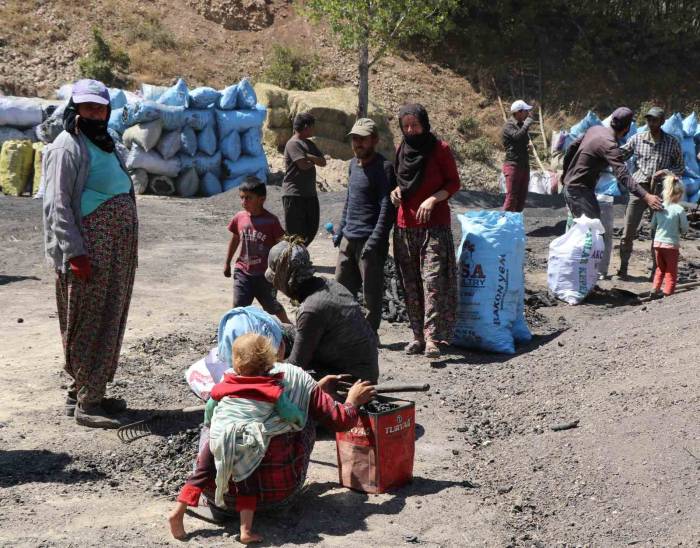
(246, 95)
(230, 184)
(209, 184)
(262, 174)
(589, 120)
(239, 120)
(152, 93)
(117, 98)
(231, 146)
(607, 184)
(691, 186)
(199, 118)
(204, 97)
(491, 256)
(176, 96)
(116, 121)
(204, 163)
(229, 98)
(690, 125)
(674, 126)
(188, 141)
(251, 142)
(206, 140)
(147, 111)
(245, 165)
(186, 161)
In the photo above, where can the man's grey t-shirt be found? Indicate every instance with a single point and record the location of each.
(299, 182)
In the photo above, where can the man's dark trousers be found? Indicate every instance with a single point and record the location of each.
(355, 271)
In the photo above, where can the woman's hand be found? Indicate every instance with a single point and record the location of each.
(329, 383)
(396, 196)
(360, 393)
(425, 210)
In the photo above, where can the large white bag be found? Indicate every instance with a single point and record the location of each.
(152, 162)
(572, 270)
(20, 112)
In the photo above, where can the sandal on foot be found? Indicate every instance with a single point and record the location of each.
(432, 350)
(416, 347)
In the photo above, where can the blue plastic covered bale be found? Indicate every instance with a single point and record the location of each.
(176, 96)
(206, 140)
(230, 184)
(690, 125)
(230, 146)
(245, 165)
(492, 284)
(674, 126)
(117, 98)
(204, 163)
(204, 97)
(229, 98)
(147, 111)
(589, 120)
(262, 174)
(246, 95)
(116, 121)
(199, 118)
(251, 142)
(607, 184)
(691, 185)
(186, 161)
(188, 141)
(239, 120)
(209, 184)
(152, 93)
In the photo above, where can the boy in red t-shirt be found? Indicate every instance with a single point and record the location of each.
(256, 230)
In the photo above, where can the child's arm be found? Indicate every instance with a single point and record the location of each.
(232, 246)
(684, 223)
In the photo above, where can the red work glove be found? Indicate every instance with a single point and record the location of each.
(80, 266)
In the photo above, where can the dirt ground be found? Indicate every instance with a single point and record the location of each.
(489, 470)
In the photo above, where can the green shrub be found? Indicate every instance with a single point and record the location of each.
(479, 150)
(468, 127)
(150, 29)
(291, 69)
(103, 63)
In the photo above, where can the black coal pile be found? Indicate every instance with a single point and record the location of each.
(377, 407)
(394, 303)
(688, 271)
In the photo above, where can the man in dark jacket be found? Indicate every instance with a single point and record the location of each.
(589, 155)
(368, 215)
(516, 167)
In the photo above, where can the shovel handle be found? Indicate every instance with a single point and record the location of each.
(392, 388)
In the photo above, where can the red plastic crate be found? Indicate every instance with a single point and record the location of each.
(377, 453)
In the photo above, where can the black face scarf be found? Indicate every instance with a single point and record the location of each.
(95, 130)
(413, 151)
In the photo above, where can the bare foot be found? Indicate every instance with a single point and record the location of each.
(177, 527)
(248, 537)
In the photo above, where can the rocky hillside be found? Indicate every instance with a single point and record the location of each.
(215, 43)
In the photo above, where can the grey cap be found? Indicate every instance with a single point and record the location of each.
(655, 112)
(364, 127)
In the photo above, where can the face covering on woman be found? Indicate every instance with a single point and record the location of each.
(95, 130)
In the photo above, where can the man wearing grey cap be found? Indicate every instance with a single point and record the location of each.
(656, 154)
(586, 158)
(368, 215)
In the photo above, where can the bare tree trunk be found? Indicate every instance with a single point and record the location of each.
(363, 92)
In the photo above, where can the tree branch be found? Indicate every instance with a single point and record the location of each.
(385, 43)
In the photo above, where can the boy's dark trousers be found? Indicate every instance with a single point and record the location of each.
(355, 271)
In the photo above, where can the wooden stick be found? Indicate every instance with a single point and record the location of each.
(537, 156)
(544, 133)
(500, 103)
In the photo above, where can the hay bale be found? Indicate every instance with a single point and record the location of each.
(336, 132)
(334, 105)
(333, 148)
(270, 95)
(276, 137)
(278, 117)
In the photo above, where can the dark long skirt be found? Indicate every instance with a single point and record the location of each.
(92, 315)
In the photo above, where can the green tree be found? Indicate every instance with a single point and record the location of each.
(371, 27)
(103, 62)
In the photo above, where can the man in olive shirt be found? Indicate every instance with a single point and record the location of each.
(299, 198)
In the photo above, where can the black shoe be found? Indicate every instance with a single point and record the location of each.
(94, 416)
(622, 274)
(112, 406)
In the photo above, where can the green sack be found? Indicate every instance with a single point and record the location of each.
(16, 158)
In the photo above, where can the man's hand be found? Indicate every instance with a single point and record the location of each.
(80, 267)
(360, 393)
(227, 270)
(337, 238)
(660, 173)
(395, 196)
(654, 202)
(425, 210)
(366, 250)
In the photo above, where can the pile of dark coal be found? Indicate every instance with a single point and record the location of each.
(394, 303)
